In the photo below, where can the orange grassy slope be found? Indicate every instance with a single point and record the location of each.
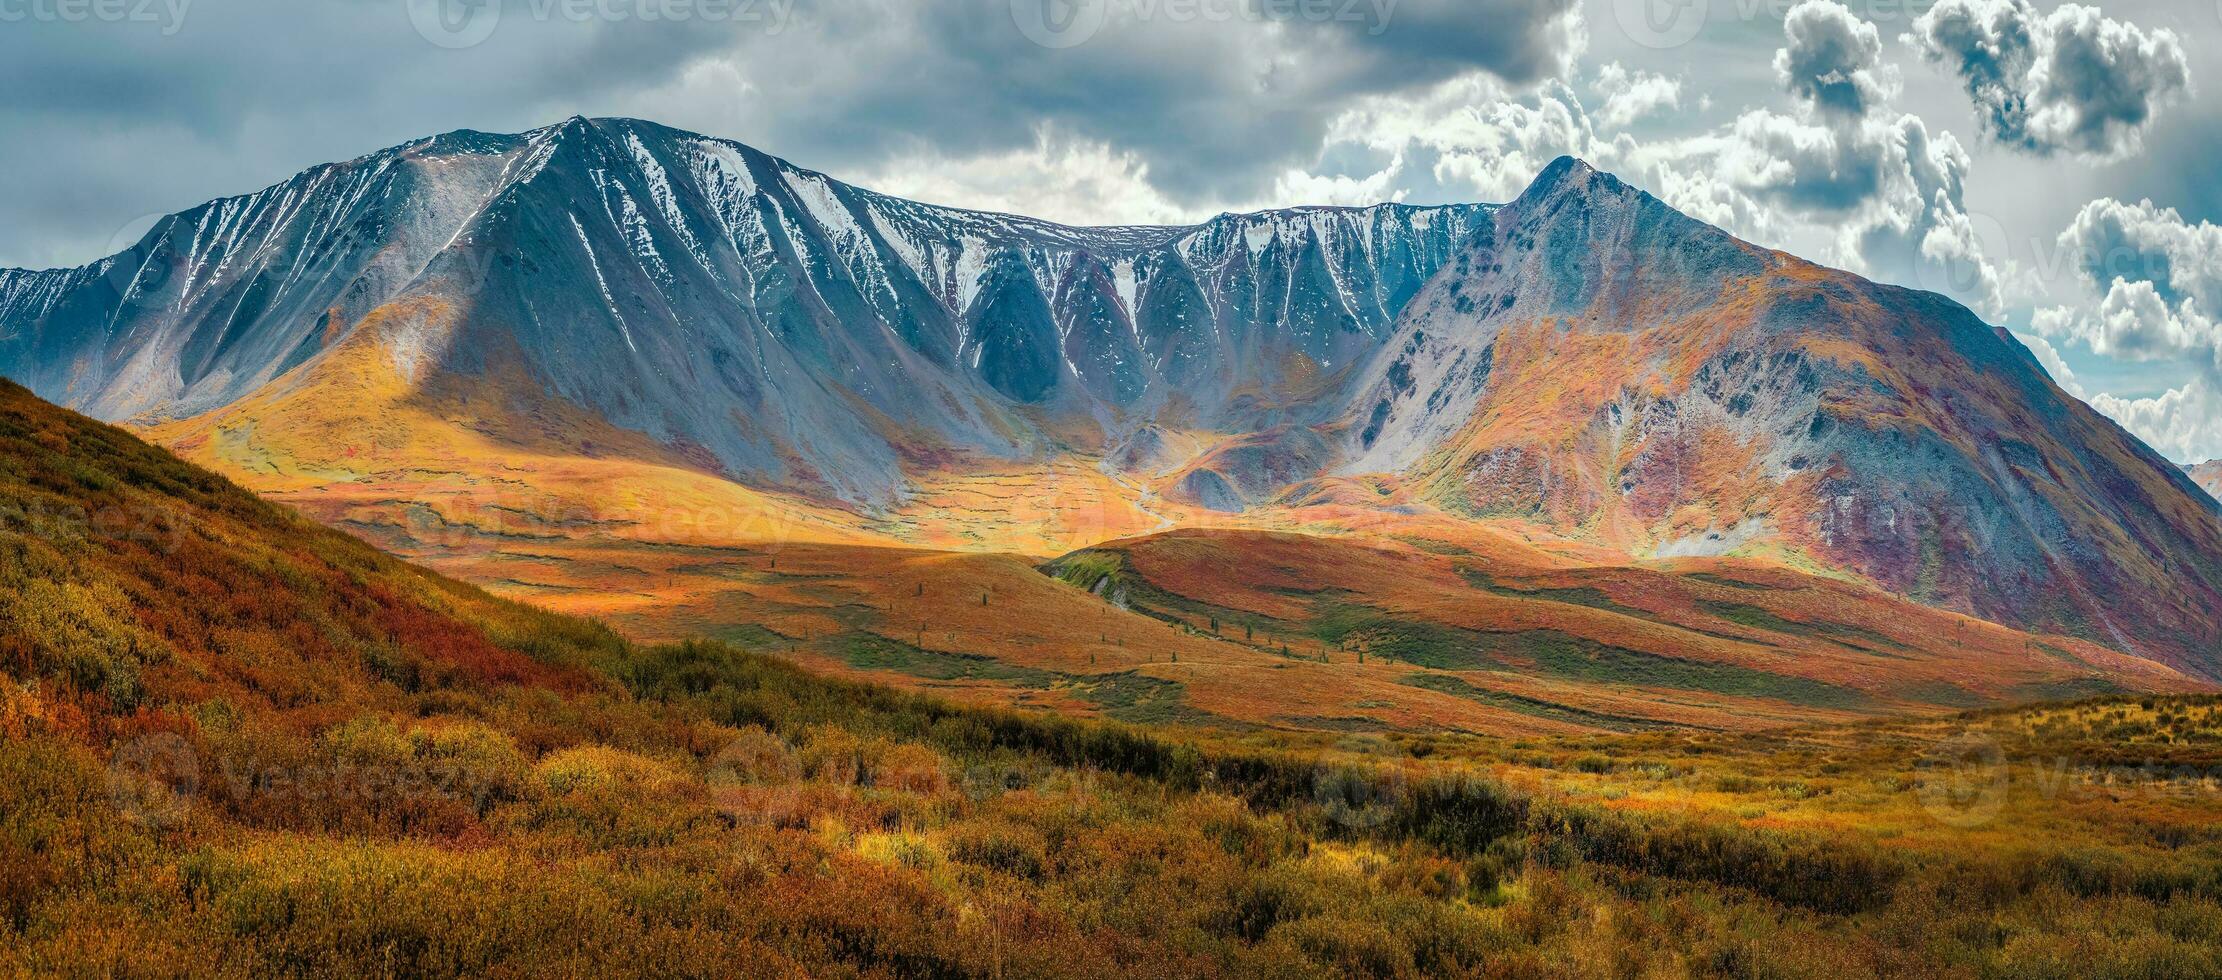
(357, 440)
(541, 503)
(131, 583)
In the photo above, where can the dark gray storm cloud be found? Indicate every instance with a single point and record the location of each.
(1216, 96)
(2069, 81)
(108, 120)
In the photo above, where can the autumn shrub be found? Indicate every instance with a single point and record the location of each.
(611, 798)
(1012, 849)
(396, 909)
(1282, 894)
(1825, 875)
(60, 825)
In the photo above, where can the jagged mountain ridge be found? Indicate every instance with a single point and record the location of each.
(782, 327)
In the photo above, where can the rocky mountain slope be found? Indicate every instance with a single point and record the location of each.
(1598, 361)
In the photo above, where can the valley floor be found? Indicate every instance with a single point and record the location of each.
(1432, 628)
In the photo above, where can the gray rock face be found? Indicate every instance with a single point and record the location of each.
(802, 332)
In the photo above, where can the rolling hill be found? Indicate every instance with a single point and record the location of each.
(135, 581)
(1445, 628)
(477, 348)
(1465, 631)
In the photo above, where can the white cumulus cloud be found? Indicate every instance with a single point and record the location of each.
(2155, 278)
(1633, 95)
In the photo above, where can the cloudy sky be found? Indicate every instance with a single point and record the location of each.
(2051, 165)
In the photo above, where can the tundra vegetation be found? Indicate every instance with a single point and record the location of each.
(234, 742)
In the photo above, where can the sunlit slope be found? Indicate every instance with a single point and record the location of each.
(988, 629)
(134, 581)
(561, 510)
(357, 440)
(1499, 625)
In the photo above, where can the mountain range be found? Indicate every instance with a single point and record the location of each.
(775, 325)
(590, 328)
